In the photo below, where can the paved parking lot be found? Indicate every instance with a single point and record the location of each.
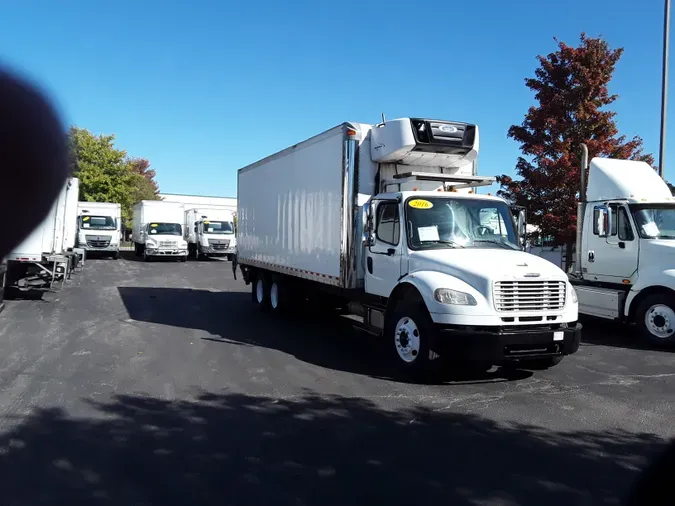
(160, 383)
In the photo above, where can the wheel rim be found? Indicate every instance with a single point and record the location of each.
(274, 296)
(407, 339)
(660, 321)
(260, 291)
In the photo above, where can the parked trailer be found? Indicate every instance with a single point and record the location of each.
(46, 255)
(158, 230)
(626, 228)
(209, 231)
(99, 228)
(381, 221)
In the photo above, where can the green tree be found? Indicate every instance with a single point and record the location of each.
(102, 169)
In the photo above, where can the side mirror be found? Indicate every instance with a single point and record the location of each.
(603, 218)
(368, 224)
(521, 226)
(196, 229)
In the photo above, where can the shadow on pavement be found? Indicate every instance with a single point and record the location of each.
(609, 333)
(233, 449)
(321, 339)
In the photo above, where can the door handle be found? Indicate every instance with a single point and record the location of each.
(369, 264)
(622, 245)
(591, 256)
(391, 252)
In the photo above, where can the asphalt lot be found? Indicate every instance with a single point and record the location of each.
(160, 383)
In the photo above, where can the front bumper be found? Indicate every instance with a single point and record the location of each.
(106, 249)
(507, 343)
(166, 252)
(216, 252)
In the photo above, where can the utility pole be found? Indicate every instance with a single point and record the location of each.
(664, 85)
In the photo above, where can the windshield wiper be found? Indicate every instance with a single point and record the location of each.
(492, 241)
(446, 242)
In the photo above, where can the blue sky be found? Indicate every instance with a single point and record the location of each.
(203, 88)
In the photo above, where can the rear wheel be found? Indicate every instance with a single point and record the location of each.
(260, 292)
(655, 319)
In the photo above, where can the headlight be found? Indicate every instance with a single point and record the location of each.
(448, 296)
(573, 293)
(151, 243)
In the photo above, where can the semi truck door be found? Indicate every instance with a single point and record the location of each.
(622, 247)
(383, 257)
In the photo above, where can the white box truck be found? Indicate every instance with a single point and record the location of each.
(47, 252)
(157, 230)
(99, 229)
(384, 222)
(209, 231)
(625, 267)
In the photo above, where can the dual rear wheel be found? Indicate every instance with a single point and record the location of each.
(269, 294)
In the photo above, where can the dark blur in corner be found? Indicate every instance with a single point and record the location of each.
(33, 158)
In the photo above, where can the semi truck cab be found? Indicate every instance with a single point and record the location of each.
(626, 228)
(210, 232)
(99, 228)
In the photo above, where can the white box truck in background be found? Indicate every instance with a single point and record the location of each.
(380, 220)
(47, 252)
(624, 269)
(99, 227)
(158, 230)
(209, 231)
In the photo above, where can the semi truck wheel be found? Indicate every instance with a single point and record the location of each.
(261, 293)
(655, 319)
(409, 334)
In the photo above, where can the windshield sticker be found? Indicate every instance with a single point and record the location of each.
(153, 225)
(420, 204)
(428, 233)
(85, 218)
(206, 222)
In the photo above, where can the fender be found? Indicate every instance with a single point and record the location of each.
(426, 282)
(649, 278)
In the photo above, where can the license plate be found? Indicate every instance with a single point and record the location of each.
(558, 336)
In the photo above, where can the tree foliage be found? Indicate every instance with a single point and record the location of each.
(571, 92)
(107, 174)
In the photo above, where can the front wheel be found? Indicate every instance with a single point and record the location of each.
(655, 319)
(410, 336)
(146, 257)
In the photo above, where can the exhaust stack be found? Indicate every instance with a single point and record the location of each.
(581, 209)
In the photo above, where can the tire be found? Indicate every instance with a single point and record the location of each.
(655, 319)
(281, 295)
(183, 258)
(540, 364)
(137, 249)
(116, 255)
(146, 257)
(409, 336)
(261, 293)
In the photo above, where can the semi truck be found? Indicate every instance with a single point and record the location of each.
(384, 222)
(209, 231)
(623, 270)
(99, 228)
(157, 230)
(47, 253)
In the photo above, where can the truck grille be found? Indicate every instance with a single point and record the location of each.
(529, 295)
(94, 241)
(219, 243)
(168, 244)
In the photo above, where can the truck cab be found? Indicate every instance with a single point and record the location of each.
(99, 228)
(625, 268)
(210, 232)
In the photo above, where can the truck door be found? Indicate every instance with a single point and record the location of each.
(383, 257)
(613, 258)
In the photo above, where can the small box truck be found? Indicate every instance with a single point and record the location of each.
(47, 253)
(99, 228)
(209, 231)
(157, 230)
(384, 222)
(624, 269)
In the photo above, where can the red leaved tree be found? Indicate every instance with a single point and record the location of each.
(143, 181)
(570, 87)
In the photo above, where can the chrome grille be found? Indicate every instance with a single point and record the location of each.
(94, 241)
(529, 295)
(168, 244)
(219, 243)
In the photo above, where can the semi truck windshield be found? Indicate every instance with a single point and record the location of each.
(441, 222)
(92, 222)
(654, 221)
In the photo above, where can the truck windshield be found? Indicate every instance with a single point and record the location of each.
(654, 221)
(218, 227)
(92, 222)
(441, 222)
(157, 228)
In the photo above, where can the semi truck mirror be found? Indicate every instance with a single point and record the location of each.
(522, 228)
(603, 218)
